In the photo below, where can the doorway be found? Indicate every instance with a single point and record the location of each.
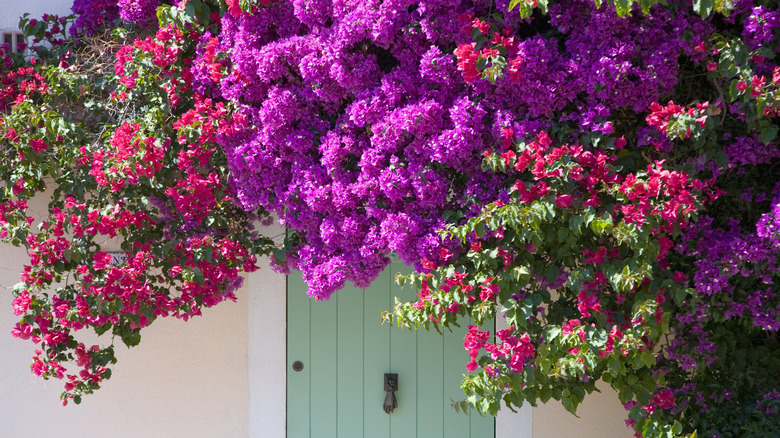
(336, 388)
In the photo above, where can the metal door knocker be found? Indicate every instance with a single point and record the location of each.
(391, 386)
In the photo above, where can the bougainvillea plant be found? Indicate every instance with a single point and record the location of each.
(138, 218)
(601, 177)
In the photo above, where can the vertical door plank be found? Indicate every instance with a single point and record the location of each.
(324, 368)
(456, 424)
(482, 426)
(298, 341)
(430, 384)
(350, 362)
(403, 361)
(376, 356)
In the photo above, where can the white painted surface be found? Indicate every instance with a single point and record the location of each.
(267, 351)
(186, 379)
(12, 10)
(601, 415)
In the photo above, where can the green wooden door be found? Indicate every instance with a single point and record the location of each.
(345, 351)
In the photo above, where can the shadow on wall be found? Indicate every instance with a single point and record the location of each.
(601, 415)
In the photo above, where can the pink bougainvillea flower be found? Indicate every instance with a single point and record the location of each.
(564, 201)
(587, 302)
(234, 8)
(428, 264)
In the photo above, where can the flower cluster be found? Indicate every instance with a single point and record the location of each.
(17, 86)
(360, 128)
(116, 187)
(129, 159)
(93, 15)
(137, 11)
(730, 257)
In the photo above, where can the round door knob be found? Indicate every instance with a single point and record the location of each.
(297, 365)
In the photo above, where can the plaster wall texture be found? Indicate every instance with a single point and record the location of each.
(267, 350)
(601, 415)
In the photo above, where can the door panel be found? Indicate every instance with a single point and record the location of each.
(346, 351)
(298, 349)
(375, 360)
(350, 372)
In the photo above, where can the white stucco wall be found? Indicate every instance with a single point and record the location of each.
(12, 10)
(601, 415)
(183, 380)
(267, 351)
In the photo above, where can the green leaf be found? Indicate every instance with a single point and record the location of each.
(189, 9)
(702, 7)
(198, 274)
(623, 7)
(598, 226)
(521, 274)
(768, 134)
(569, 403)
(99, 330)
(551, 273)
(552, 333)
(545, 394)
(131, 338)
(479, 228)
(575, 224)
(761, 103)
(679, 295)
(614, 366)
(724, 6)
